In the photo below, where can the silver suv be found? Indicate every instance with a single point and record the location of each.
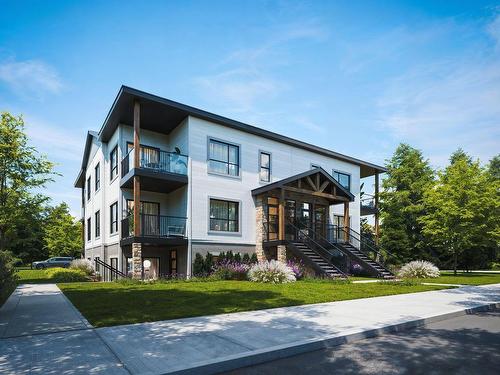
(52, 262)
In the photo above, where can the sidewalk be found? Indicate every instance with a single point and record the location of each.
(53, 338)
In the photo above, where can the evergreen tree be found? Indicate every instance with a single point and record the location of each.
(237, 257)
(246, 258)
(198, 265)
(401, 202)
(253, 258)
(208, 264)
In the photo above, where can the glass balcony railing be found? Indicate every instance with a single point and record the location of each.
(156, 160)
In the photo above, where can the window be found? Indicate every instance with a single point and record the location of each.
(113, 218)
(97, 176)
(343, 179)
(223, 158)
(113, 159)
(224, 216)
(265, 167)
(89, 229)
(97, 224)
(88, 188)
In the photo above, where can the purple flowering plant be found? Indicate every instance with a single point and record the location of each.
(297, 267)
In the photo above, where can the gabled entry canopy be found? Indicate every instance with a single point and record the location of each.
(316, 182)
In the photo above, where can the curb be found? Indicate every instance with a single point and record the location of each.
(299, 347)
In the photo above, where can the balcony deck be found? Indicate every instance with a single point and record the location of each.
(160, 171)
(155, 229)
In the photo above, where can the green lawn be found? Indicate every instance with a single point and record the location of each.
(466, 278)
(108, 304)
(28, 276)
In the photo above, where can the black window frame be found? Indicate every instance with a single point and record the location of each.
(113, 163)
(89, 229)
(97, 220)
(113, 224)
(226, 218)
(228, 162)
(261, 167)
(97, 178)
(336, 175)
(89, 188)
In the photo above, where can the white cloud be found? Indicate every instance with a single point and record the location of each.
(30, 77)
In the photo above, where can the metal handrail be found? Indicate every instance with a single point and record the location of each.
(155, 226)
(111, 269)
(156, 160)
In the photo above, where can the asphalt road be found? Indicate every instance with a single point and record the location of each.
(468, 344)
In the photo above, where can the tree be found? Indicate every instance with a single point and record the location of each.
(494, 167)
(62, 233)
(198, 265)
(401, 203)
(22, 169)
(461, 217)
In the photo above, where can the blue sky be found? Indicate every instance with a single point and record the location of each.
(355, 77)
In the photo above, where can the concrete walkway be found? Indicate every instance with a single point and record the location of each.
(206, 344)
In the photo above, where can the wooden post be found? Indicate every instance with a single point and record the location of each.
(377, 224)
(137, 181)
(281, 216)
(346, 220)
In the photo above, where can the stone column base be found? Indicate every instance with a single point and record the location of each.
(137, 261)
(281, 253)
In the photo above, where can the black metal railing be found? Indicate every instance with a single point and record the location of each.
(155, 226)
(107, 272)
(156, 160)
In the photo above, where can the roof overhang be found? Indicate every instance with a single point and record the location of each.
(162, 115)
(80, 180)
(315, 182)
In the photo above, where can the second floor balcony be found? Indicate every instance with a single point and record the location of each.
(160, 171)
(367, 205)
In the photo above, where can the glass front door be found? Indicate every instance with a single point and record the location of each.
(320, 215)
(150, 268)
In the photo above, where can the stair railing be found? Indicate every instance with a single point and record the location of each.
(110, 273)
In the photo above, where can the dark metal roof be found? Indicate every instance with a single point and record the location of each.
(162, 115)
(79, 182)
(283, 182)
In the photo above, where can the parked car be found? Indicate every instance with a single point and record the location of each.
(52, 262)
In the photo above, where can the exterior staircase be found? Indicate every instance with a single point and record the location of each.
(314, 259)
(371, 266)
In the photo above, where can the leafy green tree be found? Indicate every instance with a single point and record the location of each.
(22, 169)
(494, 167)
(8, 275)
(462, 211)
(62, 233)
(409, 176)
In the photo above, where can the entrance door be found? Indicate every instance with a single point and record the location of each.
(114, 264)
(290, 220)
(173, 262)
(320, 214)
(150, 268)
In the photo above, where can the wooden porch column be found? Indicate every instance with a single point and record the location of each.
(137, 246)
(377, 225)
(346, 220)
(281, 216)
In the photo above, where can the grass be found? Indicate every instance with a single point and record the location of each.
(466, 278)
(108, 304)
(28, 276)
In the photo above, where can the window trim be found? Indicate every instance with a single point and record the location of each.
(270, 166)
(97, 178)
(89, 229)
(97, 225)
(221, 232)
(89, 187)
(344, 173)
(237, 177)
(111, 168)
(111, 233)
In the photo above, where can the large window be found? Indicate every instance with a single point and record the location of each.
(265, 166)
(113, 214)
(223, 158)
(89, 229)
(113, 160)
(343, 179)
(224, 216)
(88, 188)
(97, 224)
(97, 176)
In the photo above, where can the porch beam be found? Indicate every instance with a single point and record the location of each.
(281, 216)
(316, 193)
(346, 219)
(311, 183)
(323, 186)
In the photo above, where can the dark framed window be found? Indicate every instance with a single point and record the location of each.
(113, 162)
(223, 158)
(97, 177)
(88, 188)
(113, 215)
(97, 222)
(265, 166)
(89, 229)
(343, 179)
(224, 216)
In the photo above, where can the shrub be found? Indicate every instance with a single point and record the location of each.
(230, 270)
(297, 267)
(83, 265)
(418, 269)
(271, 272)
(246, 258)
(253, 258)
(65, 275)
(8, 275)
(198, 265)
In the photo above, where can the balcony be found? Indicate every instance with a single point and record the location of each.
(155, 229)
(160, 171)
(368, 206)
